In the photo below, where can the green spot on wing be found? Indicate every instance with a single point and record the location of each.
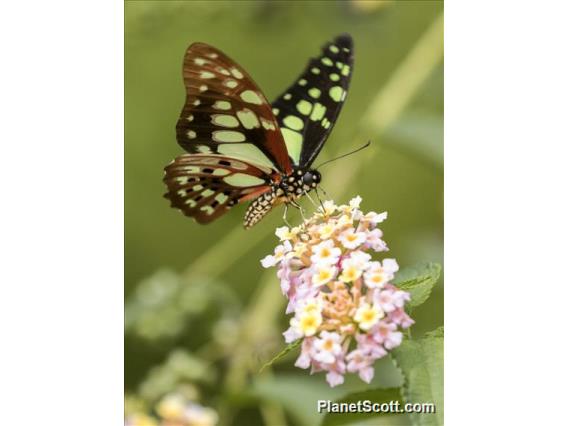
(246, 152)
(225, 120)
(228, 136)
(248, 118)
(293, 142)
(314, 92)
(293, 122)
(318, 112)
(304, 107)
(251, 97)
(241, 180)
(335, 93)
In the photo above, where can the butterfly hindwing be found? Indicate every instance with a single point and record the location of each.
(207, 186)
(226, 113)
(308, 109)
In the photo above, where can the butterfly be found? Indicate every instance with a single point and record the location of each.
(239, 146)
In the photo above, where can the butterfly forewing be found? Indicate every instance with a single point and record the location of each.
(308, 109)
(207, 186)
(226, 113)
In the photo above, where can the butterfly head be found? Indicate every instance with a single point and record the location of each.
(311, 179)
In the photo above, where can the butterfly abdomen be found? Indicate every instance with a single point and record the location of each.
(287, 191)
(259, 208)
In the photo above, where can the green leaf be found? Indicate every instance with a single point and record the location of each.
(422, 364)
(282, 353)
(298, 394)
(374, 396)
(418, 281)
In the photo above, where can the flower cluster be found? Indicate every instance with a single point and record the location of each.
(176, 410)
(345, 307)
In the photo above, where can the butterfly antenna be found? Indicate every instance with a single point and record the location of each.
(345, 155)
(319, 199)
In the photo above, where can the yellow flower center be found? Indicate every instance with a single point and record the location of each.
(377, 278)
(308, 322)
(369, 315)
(328, 345)
(351, 273)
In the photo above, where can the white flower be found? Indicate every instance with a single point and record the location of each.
(327, 347)
(361, 259)
(329, 207)
(377, 276)
(326, 230)
(279, 252)
(313, 304)
(374, 218)
(306, 323)
(284, 233)
(368, 315)
(325, 253)
(354, 203)
(351, 270)
(345, 220)
(323, 274)
(351, 239)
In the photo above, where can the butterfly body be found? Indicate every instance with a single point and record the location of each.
(242, 148)
(287, 191)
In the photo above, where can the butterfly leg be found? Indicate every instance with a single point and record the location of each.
(307, 194)
(294, 203)
(285, 214)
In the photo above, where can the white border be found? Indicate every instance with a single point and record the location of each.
(61, 309)
(62, 225)
(506, 212)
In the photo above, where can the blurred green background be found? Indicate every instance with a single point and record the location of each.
(199, 308)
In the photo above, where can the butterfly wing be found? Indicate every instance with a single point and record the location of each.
(226, 113)
(207, 186)
(308, 109)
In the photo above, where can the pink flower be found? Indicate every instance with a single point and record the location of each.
(334, 378)
(368, 345)
(385, 333)
(398, 316)
(305, 357)
(361, 362)
(337, 293)
(328, 347)
(335, 374)
(374, 240)
(386, 300)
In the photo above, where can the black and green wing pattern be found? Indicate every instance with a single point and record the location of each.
(308, 109)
